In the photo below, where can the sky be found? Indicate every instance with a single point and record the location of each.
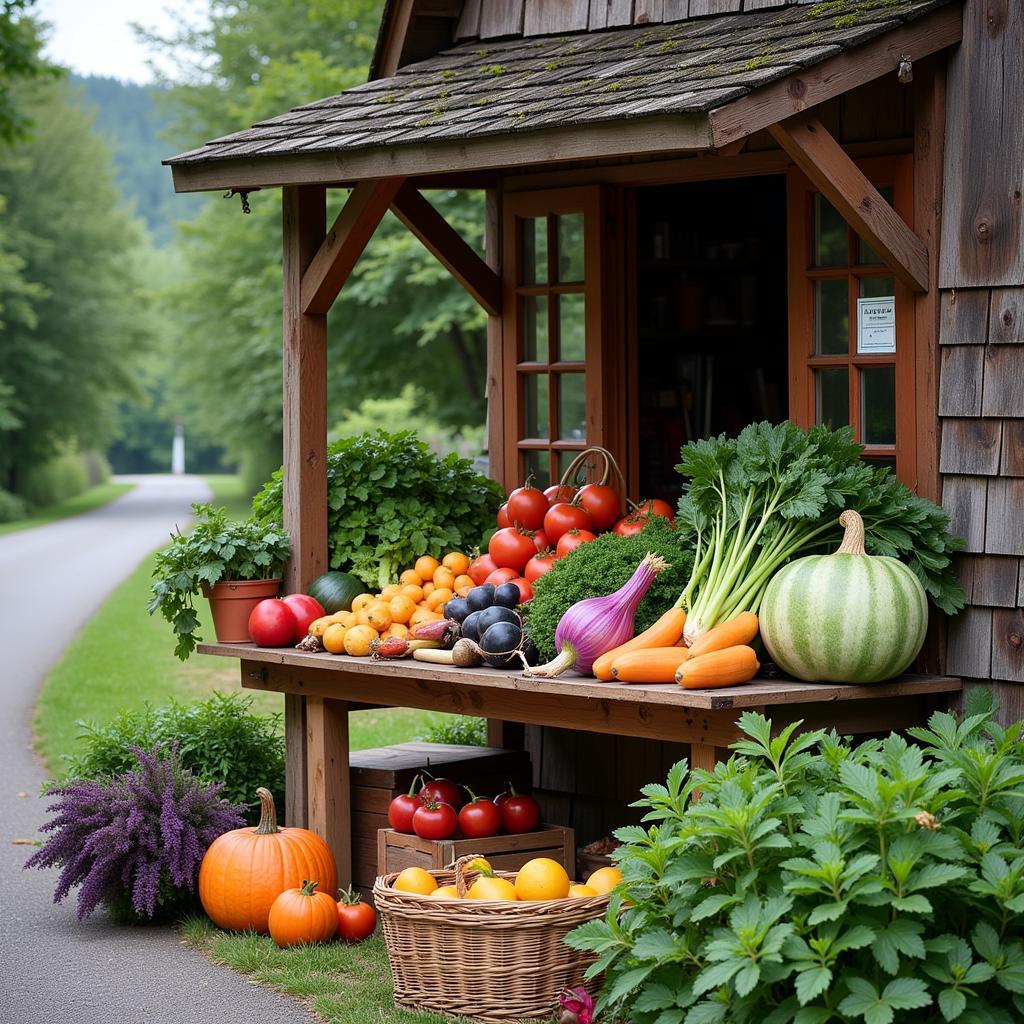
(94, 37)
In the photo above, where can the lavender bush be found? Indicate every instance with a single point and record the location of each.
(134, 841)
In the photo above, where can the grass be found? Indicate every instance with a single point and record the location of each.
(95, 497)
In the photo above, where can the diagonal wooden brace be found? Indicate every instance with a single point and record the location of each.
(839, 179)
(352, 230)
(453, 252)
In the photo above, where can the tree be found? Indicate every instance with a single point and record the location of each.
(20, 60)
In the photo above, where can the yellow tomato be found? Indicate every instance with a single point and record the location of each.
(402, 608)
(319, 626)
(439, 597)
(479, 865)
(416, 880)
(604, 879)
(425, 566)
(485, 888)
(542, 879)
(581, 892)
(333, 638)
(423, 615)
(446, 892)
(411, 578)
(428, 588)
(362, 601)
(397, 629)
(463, 584)
(456, 561)
(358, 640)
(443, 578)
(345, 618)
(378, 615)
(414, 592)
(389, 591)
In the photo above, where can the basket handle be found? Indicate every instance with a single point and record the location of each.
(609, 465)
(461, 885)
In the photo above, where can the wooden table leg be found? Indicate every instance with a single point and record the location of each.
(703, 755)
(295, 784)
(327, 775)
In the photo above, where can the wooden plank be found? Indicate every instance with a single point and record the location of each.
(965, 498)
(345, 242)
(989, 580)
(970, 446)
(558, 767)
(648, 12)
(702, 8)
(501, 18)
(327, 770)
(1006, 319)
(450, 249)
(1003, 388)
(983, 220)
(962, 369)
(675, 10)
(969, 648)
(295, 781)
(468, 26)
(795, 93)
(702, 755)
(596, 764)
(1012, 461)
(394, 33)
(823, 160)
(553, 17)
(1008, 644)
(964, 316)
(1004, 521)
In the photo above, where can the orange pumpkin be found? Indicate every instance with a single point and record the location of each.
(246, 869)
(303, 915)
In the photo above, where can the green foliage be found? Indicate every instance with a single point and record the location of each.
(12, 508)
(57, 479)
(390, 500)
(218, 548)
(815, 881)
(461, 730)
(600, 568)
(20, 61)
(219, 738)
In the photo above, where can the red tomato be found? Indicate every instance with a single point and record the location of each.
(526, 507)
(403, 807)
(356, 919)
(564, 517)
(540, 540)
(503, 519)
(539, 565)
(502, 797)
(511, 549)
(500, 576)
(272, 623)
(656, 507)
(480, 568)
(435, 821)
(603, 505)
(525, 588)
(555, 494)
(632, 524)
(572, 540)
(442, 791)
(480, 819)
(305, 609)
(519, 813)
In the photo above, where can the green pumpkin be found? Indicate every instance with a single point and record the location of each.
(336, 591)
(847, 617)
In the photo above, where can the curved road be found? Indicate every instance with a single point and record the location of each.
(54, 968)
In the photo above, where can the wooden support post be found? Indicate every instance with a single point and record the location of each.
(703, 755)
(352, 230)
(456, 255)
(863, 207)
(305, 446)
(327, 771)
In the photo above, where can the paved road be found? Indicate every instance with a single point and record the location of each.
(54, 969)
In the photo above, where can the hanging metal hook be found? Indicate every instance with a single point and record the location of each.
(243, 193)
(905, 69)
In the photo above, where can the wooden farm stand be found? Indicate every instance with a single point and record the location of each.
(687, 203)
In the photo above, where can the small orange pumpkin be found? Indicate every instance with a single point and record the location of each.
(246, 869)
(303, 915)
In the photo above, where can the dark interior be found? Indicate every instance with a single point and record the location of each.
(711, 316)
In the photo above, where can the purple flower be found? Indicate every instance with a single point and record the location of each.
(136, 838)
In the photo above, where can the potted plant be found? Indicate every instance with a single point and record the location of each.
(236, 564)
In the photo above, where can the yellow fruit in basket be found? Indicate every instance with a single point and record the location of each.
(402, 608)
(333, 638)
(542, 879)
(604, 880)
(456, 561)
(446, 892)
(414, 592)
(485, 888)
(416, 880)
(439, 597)
(378, 615)
(443, 578)
(360, 602)
(389, 591)
(358, 640)
(581, 892)
(425, 566)
(318, 626)
(479, 865)
(463, 585)
(397, 629)
(410, 578)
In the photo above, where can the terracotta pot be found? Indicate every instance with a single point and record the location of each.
(232, 602)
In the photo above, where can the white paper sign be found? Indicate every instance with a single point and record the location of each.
(876, 325)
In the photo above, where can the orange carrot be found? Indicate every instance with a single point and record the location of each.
(649, 665)
(725, 667)
(664, 633)
(740, 629)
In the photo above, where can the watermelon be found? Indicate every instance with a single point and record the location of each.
(847, 617)
(336, 591)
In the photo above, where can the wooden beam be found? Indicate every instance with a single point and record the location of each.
(352, 230)
(394, 33)
(451, 250)
(798, 92)
(327, 771)
(864, 208)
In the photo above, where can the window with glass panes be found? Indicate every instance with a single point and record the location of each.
(844, 369)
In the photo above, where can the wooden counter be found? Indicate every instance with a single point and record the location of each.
(332, 685)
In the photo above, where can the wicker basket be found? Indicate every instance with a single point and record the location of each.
(489, 960)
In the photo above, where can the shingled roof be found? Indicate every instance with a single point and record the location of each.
(477, 90)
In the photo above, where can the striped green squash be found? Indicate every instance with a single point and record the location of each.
(846, 617)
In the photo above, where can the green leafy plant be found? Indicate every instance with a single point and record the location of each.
(462, 730)
(218, 548)
(390, 500)
(814, 881)
(220, 739)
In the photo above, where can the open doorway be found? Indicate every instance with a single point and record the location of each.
(710, 316)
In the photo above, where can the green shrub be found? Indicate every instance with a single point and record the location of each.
(815, 881)
(219, 738)
(462, 730)
(12, 507)
(97, 468)
(62, 477)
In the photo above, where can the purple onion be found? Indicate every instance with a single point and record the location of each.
(598, 625)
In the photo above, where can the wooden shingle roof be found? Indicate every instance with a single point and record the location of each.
(478, 90)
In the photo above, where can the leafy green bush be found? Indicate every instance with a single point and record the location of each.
(12, 507)
(62, 477)
(815, 881)
(462, 730)
(219, 738)
(390, 500)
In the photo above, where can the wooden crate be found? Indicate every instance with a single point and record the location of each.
(380, 774)
(396, 851)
